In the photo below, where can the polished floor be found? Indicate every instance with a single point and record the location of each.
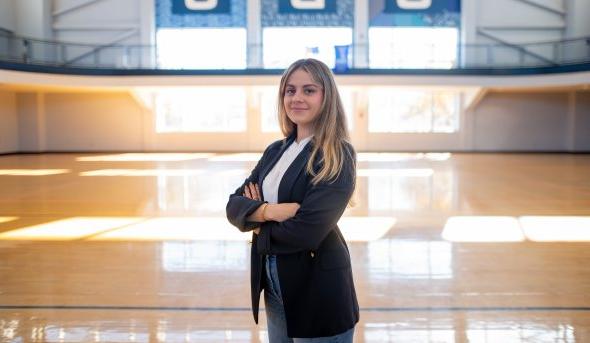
(445, 248)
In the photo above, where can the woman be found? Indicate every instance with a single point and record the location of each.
(292, 202)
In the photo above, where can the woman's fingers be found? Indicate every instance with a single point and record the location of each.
(247, 191)
(252, 191)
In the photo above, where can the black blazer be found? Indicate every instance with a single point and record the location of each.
(313, 261)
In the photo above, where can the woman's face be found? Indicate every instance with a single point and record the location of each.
(303, 98)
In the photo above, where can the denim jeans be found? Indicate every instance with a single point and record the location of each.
(275, 312)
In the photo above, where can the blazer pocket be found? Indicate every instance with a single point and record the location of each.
(334, 259)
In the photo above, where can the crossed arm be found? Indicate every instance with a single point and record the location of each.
(268, 212)
(291, 227)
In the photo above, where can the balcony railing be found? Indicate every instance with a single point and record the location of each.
(30, 51)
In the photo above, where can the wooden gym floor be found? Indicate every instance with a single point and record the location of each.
(445, 248)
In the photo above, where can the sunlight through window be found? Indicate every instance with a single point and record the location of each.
(200, 48)
(178, 228)
(144, 172)
(418, 47)
(135, 157)
(283, 45)
(201, 109)
(413, 110)
(7, 219)
(239, 157)
(69, 229)
(365, 229)
(33, 172)
(556, 228)
(393, 157)
(482, 229)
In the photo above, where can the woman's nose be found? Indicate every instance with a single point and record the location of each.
(297, 96)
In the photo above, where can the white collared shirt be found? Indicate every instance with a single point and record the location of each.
(270, 185)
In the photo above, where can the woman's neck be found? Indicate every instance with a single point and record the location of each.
(303, 133)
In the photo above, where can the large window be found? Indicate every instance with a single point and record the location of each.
(401, 110)
(201, 109)
(408, 47)
(199, 48)
(283, 45)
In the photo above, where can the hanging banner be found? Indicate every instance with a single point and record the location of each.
(320, 13)
(200, 6)
(200, 13)
(307, 6)
(437, 13)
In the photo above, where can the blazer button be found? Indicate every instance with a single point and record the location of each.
(312, 254)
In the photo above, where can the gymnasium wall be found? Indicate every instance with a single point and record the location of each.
(8, 123)
(32, 18)
(7, 16)
(581, 139)
(80, 121)
(532, 121)
(116, 121)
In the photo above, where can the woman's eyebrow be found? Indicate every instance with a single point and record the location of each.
(308, 85)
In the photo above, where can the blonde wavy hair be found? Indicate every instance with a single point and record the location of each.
(330, 129)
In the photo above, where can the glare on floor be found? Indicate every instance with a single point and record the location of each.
(482, 229)
(32, 172)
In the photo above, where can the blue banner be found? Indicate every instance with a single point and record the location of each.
(321, 13)
(307, 6)
(431, 7)
(415, 13)
(200, 13)
(201, 6)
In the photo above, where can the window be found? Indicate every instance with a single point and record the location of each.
(201, 109)
(199, 48)
(284, 45)
(397, 110)
(406, 47)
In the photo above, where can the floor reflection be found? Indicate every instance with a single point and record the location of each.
(444, 247)
(375, 328)
(401, 259)
(188, 257)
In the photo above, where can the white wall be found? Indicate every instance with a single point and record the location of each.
(517, 22)
(8, 123)
(549, 120)
(33, 18)
(31, 122)
(581, 139)
(93, 122)
(578, 24)
(7, 15)
(521, 121)
(105, 22)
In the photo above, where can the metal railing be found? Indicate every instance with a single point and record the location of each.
(116, 56)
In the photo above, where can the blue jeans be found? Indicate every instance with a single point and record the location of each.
(275, 312)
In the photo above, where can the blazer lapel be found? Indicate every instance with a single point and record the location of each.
(292, 173)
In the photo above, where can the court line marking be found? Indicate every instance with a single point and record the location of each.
(247, 309)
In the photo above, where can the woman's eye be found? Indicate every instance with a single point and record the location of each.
(290, 92)
(309, 91)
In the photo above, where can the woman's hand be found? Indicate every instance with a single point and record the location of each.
(272, 212)
(252, 191)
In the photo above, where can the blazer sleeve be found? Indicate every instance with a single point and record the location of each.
(320, 210)
(239, 207)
